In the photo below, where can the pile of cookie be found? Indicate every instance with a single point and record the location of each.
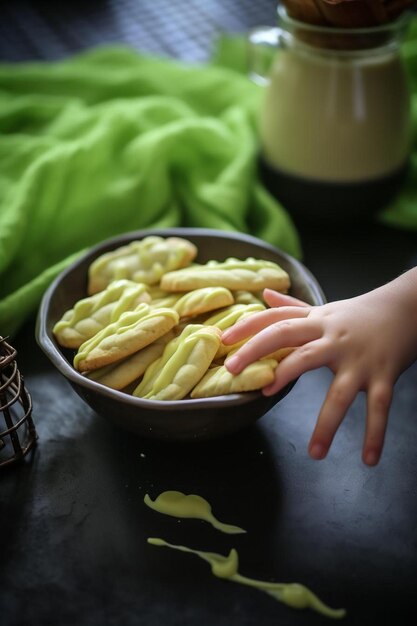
(152, 320)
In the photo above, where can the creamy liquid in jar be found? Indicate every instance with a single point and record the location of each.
(335, 116)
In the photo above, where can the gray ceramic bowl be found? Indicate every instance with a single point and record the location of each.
(183, 419)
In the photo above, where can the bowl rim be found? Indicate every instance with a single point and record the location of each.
(53, 352)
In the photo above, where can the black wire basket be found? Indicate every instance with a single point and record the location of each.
(17, 430)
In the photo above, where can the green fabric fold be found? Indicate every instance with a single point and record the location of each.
(111, 141)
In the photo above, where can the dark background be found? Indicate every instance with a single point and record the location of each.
(184, 29)
(72, 520)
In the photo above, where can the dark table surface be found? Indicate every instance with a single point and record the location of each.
(72, 519)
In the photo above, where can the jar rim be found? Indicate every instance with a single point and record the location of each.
(393, 25)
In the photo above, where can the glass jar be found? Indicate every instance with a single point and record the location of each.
(335, 124)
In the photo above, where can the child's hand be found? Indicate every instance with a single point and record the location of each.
(366, 341)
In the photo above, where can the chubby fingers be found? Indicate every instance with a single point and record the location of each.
(307, 357)
(340, 396)
(258, 321)
(284, 334)
(275, 298)
(378, 404)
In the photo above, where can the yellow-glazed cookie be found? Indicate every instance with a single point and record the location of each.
(133, 331)
(218, 381)
(203, 300)
(195, 302)
(184, 361)
(92, 314)
(153, 371)
(249, 275)
(122, 373)
(143, 261)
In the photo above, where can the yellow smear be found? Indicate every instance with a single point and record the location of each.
(293, 594)
(178, 504)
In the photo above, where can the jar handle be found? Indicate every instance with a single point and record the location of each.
(263, 42)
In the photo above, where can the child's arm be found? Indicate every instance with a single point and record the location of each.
(367, 341)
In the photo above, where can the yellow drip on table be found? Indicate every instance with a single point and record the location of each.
(293, 594)
(178, 504)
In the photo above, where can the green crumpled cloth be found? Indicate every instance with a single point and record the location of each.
(111, 141)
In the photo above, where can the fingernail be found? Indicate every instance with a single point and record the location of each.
(371, 457)
(317, 451)
(231, 363)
